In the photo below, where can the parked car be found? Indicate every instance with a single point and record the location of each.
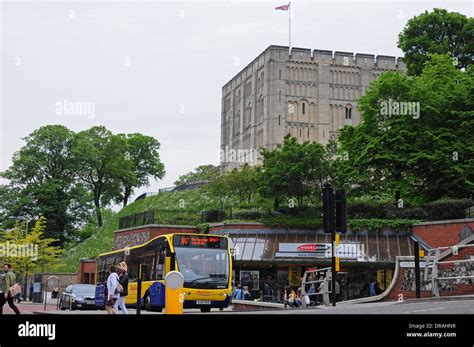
(78, 297)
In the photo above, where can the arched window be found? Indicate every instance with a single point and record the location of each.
(348, 115)
(303, 108)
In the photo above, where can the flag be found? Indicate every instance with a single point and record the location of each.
(283, 7)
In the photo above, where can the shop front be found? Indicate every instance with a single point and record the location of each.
(268, 260)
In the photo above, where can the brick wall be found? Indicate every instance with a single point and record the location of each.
(87, 270)
(444, 233)
(446, 288)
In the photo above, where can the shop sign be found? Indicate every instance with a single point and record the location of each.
(320, 250)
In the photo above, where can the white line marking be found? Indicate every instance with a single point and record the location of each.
(427, 309)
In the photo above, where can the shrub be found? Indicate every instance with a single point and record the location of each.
(448, 209)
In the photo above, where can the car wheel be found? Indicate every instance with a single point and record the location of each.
(72, 307)
(61, 306)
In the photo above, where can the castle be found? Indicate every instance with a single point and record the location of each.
(310, 94)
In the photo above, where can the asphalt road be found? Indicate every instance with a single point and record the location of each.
(453, 306)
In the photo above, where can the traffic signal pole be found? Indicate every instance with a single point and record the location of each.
(334, 219)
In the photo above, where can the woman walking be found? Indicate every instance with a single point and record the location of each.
(113, 290)
(123, 280)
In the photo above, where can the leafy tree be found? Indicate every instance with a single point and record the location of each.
(221, 188)
(101, 165)
(437, 32)
(143, 159)
(243, 182)
(43, 252)
(420, 157)
(292, 170)
(41, 182)
(201, 173)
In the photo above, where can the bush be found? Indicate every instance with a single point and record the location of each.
(253, 214)
(293, 222)
(448, 209)
(377, 225)
(366, 209)
(211, 216)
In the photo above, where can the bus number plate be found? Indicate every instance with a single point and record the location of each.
(202, 302)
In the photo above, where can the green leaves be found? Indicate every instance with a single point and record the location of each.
(437, 32)
(294, 170)
(58, 173)
(416, 158)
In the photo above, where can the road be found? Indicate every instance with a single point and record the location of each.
(454, 306)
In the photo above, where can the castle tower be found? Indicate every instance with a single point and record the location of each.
(311, 95)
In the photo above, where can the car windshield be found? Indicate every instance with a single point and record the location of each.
(84, 290)
(203, 267)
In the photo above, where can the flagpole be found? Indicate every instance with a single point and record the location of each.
(289, 28)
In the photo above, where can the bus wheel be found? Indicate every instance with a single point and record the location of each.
(206, 309)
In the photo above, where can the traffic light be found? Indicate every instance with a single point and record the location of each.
(341, 211)
(329, 223)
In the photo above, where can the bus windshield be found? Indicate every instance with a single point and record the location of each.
(203, 267)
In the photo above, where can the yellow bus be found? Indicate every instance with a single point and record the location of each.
(204, 260)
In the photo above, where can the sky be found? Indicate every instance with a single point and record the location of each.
(158, 67)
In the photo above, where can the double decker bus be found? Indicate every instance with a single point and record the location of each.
(204, 260)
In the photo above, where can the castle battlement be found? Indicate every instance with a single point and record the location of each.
(307, 55)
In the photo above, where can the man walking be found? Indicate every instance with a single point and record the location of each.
(8, 280)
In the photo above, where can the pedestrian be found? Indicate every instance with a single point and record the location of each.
(372, 290)
(113, 290)
(246, 293)
(298, 298)
(7, 288)
(289, 297)
(239, 294)
(123, 279)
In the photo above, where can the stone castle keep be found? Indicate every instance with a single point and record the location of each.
(310, 94)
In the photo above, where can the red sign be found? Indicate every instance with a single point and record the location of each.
(311, 247)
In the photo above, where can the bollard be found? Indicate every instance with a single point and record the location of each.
(174, 293)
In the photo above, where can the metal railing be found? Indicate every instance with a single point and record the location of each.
(433, 262)
(322, 277)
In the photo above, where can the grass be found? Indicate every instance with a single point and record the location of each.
(102, 238)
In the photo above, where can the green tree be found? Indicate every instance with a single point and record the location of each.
(437, 32)
(42, 251)
(221, 188)
(101, 163)
(42, 182)
(143, 159)
(420, 157)
(201, 173)
(243, 182)
(292, 170)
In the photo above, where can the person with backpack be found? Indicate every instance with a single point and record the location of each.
(123, 280)
(113, 290)
(7, 288)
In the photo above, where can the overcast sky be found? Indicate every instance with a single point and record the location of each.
(157, 67)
